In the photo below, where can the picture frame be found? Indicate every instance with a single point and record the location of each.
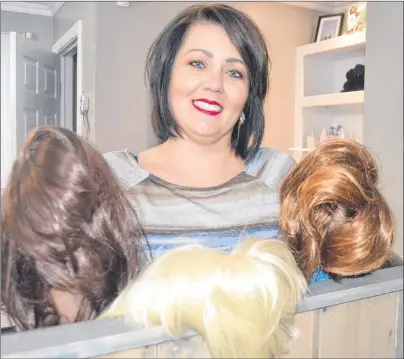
(355, 18)
(329, 27)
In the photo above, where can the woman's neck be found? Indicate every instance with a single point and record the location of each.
(208, 156)
(188, 164)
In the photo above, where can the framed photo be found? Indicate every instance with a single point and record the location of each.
(329, 27)
(355, 18)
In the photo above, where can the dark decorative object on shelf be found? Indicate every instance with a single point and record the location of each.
(355, 79)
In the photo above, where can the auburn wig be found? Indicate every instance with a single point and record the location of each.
(333, 214)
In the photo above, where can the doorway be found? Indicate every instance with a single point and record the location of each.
(30, 95)
(69, 48)
(74, 106)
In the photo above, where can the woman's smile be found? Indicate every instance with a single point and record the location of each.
(208, 107)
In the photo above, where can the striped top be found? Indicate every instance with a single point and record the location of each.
(218, 217)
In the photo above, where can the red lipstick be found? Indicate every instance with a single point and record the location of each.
(207, 112)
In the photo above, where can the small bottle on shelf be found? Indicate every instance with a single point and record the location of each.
(311, 141)
(323, 135)
(341, 133)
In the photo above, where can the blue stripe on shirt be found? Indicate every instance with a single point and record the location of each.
(224, 241)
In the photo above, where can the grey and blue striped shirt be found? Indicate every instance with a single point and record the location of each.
(219, 217)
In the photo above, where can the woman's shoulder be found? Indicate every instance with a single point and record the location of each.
(271, 165)
(125, 167)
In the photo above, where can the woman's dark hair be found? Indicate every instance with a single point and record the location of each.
(65, 225)
(332, 213)
(248, 40)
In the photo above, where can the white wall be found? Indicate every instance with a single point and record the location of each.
(41, 26)
(383, 121)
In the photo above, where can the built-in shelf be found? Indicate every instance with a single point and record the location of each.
(298, 149)
(321, 72)
(334, 99)
(351, 43)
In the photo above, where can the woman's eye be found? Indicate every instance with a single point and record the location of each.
(197, 64)
(235, 74)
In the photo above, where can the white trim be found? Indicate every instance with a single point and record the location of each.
(13, 96)
(13, 89)
(331, 7)
(64, 44)
(8, 135)
(71, 39)
(46, 9)
(55, 6)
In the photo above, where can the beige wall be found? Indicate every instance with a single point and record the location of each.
(285, 28)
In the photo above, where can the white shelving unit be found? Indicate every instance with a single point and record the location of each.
(321, 69)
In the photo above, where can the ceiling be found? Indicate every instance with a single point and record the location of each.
(49, 8)
(324, 6)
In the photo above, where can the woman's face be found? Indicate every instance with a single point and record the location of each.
(208, 85)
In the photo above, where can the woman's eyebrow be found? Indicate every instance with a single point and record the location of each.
(206, 52)
(209, 54)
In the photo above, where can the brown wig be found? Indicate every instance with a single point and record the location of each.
(66, 226)
(332, 213)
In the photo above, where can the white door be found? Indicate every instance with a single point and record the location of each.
(35, 83)
(8, 135)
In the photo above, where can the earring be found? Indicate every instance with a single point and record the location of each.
(240, 123)
(242, 118)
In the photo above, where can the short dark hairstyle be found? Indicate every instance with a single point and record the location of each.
(65, 224)
(248, 40)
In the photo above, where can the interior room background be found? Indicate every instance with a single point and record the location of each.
(106, 65)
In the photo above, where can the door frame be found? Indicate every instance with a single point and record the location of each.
(8, 123)
(71, 41)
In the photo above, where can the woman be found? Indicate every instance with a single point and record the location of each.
(70, 242)
(208, 181)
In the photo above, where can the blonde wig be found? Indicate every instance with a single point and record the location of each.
(333, 214)
(242, 303)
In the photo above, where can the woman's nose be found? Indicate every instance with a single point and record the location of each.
(214, 81)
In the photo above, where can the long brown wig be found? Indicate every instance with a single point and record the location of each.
(66, 226)
(333, 214)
